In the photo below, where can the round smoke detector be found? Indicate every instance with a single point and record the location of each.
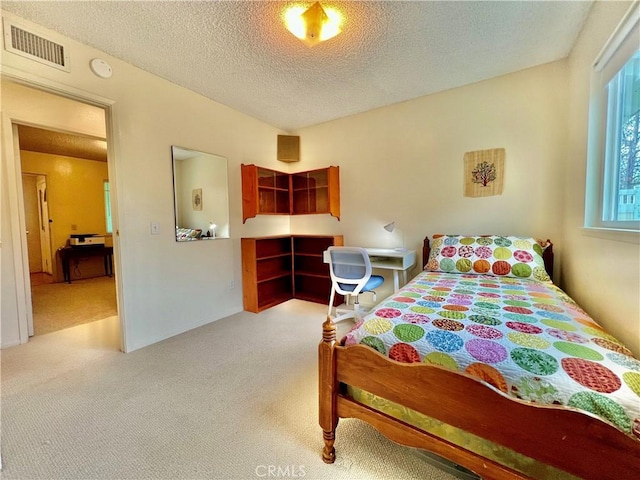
(100, 68)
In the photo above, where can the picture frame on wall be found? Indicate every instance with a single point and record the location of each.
(196, 199)
(484, 172)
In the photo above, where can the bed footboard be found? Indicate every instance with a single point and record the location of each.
(328, 389)
(572, 441)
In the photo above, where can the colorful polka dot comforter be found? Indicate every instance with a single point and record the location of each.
(524, 337)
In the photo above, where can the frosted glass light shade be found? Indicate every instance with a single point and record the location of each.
(313, 25)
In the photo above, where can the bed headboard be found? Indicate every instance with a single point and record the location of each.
(547, 255)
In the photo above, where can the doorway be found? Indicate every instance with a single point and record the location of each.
(64, 177)
(63, 202)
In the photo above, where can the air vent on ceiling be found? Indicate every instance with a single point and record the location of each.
(36, 47)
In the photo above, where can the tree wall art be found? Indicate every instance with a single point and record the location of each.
(484, 172)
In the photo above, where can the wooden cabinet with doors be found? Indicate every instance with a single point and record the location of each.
(269, 192)
(278, 268)
(264, 192)
(316, 191)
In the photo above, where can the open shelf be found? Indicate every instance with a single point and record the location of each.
(266, 272)
(276, 269)
(311, 278)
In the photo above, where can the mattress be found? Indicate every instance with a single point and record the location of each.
(523, 337)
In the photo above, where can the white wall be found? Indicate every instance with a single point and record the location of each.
(602, 273)
(166, 287)
(405, 163)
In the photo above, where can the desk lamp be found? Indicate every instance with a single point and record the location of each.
(390, 227)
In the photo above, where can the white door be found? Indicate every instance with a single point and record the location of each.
(32, 221)
(45, 232)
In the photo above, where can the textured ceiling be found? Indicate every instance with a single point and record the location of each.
(57, 143)
(238, 53)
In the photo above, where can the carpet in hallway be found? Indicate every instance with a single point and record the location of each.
(63, 305)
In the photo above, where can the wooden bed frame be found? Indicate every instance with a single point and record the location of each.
(578, 443)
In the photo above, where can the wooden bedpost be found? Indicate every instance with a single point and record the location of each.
(328, 389)
(426, 249)
(547, 256)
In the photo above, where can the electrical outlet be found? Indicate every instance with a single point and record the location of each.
(74, 227)
(232, 284)
(155, 229)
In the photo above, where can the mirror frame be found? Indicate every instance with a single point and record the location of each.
(200, 193)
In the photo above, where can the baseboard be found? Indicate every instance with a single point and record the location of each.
(10, 344)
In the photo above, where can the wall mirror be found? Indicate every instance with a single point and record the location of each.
(201, 195)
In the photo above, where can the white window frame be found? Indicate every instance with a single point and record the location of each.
(620, 47)
(107, 206)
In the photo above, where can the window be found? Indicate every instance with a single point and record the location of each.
(107, 206)
(613, 173)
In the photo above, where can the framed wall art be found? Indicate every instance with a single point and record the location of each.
(484, 172)
(196, 198)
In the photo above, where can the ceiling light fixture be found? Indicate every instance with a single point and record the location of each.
(314, 24)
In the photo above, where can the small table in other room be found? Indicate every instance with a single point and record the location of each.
(84, 251)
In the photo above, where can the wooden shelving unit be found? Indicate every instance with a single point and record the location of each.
(278, 268)
(311, 279)
(266, 272)
(269, 192)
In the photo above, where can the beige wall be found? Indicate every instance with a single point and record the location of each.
(405, 163)
(75, 194)
(601, 271)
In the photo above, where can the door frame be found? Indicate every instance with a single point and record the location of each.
(13, 166)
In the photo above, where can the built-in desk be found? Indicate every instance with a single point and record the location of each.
(84, 251)
(398, 260)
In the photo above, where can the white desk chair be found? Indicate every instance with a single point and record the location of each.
(350, 270)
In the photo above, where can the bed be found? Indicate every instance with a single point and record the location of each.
(482, 360)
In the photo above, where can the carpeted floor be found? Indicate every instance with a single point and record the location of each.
(62, 305)
(235, 399)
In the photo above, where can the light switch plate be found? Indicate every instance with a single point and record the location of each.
(155, 229)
